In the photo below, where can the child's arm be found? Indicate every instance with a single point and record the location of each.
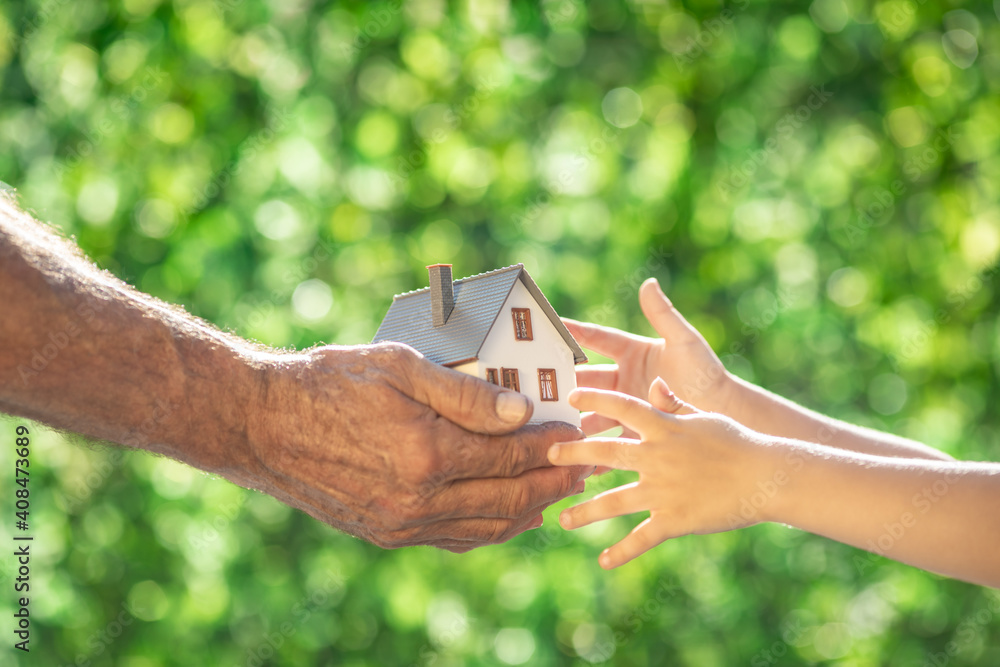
(704, 473)
(692, 369)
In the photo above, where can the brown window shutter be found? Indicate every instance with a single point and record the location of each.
(547, 388)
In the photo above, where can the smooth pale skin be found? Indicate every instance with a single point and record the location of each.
(707, 472)
(694, 372)
(373, 440)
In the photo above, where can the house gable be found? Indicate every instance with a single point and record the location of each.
(477, 301)
(546, 351)
(478, 306)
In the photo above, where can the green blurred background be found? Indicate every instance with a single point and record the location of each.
(814, 184)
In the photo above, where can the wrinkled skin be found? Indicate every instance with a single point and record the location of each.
(385, 445)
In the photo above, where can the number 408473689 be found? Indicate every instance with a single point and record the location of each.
(21, 476)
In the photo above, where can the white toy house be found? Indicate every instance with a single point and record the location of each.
(497, 326)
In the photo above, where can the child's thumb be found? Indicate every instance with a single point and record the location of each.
(666, 320)
(661, 398)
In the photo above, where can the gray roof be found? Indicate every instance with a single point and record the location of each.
(478, 300)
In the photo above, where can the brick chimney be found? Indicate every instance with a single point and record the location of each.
(442, 293)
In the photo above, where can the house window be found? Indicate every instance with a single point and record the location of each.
(522, 323)
(491, 376)
(547, 388)
(510, 378)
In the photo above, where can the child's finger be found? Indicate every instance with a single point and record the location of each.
(627, 499)
(603, 340)
(604, 376)
(593, 423)
(660, 312)
(610, 452)
(630, 412)
(643, 537)
(661, 398)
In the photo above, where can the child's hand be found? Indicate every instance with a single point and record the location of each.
(694, 470)
(681, 357)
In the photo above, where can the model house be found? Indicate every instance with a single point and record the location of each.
(497, 326)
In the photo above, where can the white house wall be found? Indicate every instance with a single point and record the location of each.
(547, 349)
(471, 368)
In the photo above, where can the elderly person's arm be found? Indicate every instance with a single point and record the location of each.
(373, 440)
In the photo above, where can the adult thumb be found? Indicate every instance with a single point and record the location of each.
(466, 401)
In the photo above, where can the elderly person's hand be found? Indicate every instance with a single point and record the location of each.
(385, 445)
(373, 440)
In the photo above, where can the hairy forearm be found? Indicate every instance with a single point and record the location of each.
(83, 351)
(374, 440)
(768, 413)
(936, 515)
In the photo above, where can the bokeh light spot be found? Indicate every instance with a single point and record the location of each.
(847, 287)
(312, 300)
(514, 646)
(887, 393)
(622, 107)
(97, 201)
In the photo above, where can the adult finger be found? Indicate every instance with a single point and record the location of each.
(664, 400)
(463, 532)
(462, 535)
(643, 537)
(474, 455)
(603, 340)
(473, 404)
(627, 499)
(467, 532)
(598, 376)
(464, 546)
(515, 498)
(610, 452)
(662, 315)
(629, 411)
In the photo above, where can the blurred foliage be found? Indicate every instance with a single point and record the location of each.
(815, 185)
